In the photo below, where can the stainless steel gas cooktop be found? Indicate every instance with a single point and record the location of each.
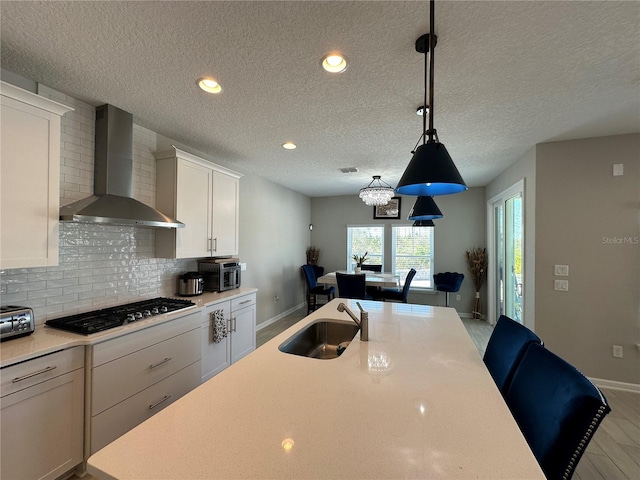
(99, 320)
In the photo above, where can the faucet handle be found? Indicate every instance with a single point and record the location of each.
(360, 307)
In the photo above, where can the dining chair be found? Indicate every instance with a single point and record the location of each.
(352, 286)
(505, 349)
(395, 295)
(314, 290)
(448, 282)
(557, 409)
(372, 268)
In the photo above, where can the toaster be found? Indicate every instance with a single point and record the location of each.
(16, 322)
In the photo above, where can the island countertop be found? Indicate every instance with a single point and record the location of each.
(416, 401)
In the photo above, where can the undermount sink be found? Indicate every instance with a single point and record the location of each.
(323, 339)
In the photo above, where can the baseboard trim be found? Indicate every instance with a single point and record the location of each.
(266, 323)
(615, 385)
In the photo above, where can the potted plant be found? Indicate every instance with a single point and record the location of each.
(477, 263)
(359, 261)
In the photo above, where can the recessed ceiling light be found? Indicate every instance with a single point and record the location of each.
(209, 85)
(334, 63)
(289, 145)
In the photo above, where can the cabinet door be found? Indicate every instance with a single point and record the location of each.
(225, 214)
(215, 356)
(42, 428)
(243, 335)
(194, 210)
(30, 184)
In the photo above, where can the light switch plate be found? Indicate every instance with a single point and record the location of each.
(562, 270)
(561, 285)
(618, 169)
(243, 267)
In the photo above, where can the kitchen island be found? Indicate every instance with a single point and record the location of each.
(416, 401)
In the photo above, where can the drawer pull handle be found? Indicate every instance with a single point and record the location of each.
(235, 324)
(160, 363)
(154, 405)
(39, 372)
(246, 301)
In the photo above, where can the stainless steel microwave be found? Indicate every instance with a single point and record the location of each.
(220, 274)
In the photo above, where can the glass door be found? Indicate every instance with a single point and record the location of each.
(506, 265)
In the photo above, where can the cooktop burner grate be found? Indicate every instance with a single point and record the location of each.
(100, 320)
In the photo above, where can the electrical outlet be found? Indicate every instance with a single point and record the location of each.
(561, 270)
(276, 298)
(617, 351)
(561, 285)
(243, 267)
(458, 298)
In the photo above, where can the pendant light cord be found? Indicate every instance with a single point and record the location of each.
(432, 42)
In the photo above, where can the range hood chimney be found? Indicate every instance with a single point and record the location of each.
(111, 202)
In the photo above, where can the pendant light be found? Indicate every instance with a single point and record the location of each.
(424, 223)
(425, 209)
(431, 170)
(377, 192)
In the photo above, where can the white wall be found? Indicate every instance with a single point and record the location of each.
(462, 227)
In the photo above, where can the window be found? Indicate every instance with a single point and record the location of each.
(412, 247)
(365, 238)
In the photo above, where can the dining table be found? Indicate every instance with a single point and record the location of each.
(372, 279)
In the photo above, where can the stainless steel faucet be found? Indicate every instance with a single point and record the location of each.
(363, 323)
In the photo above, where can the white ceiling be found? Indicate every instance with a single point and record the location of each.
(508, 75)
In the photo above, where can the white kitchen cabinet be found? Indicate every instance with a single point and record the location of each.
(240, 320)
(205, 198)
(215, 356)
(243, 326)
(29, 178)
(136, 375)
(42, 416)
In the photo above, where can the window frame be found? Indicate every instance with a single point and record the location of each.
(416, 283)
(350, 253)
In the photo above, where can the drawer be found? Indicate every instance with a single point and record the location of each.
(126, 344)
(121, 418)
(243, 302)
(26, 374)
(120, 379)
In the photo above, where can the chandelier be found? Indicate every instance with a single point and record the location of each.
(377, 192)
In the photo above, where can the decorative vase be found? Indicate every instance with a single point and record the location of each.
(477, 313)
(357, 270)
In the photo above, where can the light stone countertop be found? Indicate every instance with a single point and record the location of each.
(416, 401)
(47, 340)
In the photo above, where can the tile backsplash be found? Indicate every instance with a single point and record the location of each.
(99, 265)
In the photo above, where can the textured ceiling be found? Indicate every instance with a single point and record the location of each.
(508, 75)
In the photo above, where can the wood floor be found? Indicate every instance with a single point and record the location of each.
(614, 451)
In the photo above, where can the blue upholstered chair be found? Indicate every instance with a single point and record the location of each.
(394, 295)
(505, 349)
(448, 282)
(352, 286)
(313, 289)
(557, 409)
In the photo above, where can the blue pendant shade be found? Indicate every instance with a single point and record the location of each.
(431, 172)
(425, 209)
(424, 223)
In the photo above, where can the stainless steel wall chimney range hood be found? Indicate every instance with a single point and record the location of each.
(111, 202)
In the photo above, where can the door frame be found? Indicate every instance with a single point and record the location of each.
(518, 187)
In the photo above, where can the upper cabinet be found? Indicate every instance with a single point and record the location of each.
(203, 196)
(29, 178)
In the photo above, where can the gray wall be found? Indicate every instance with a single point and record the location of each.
(588, 219)
(462, 227)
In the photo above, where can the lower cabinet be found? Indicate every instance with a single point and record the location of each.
(137, 375)
(42, 416)
(236, 338)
